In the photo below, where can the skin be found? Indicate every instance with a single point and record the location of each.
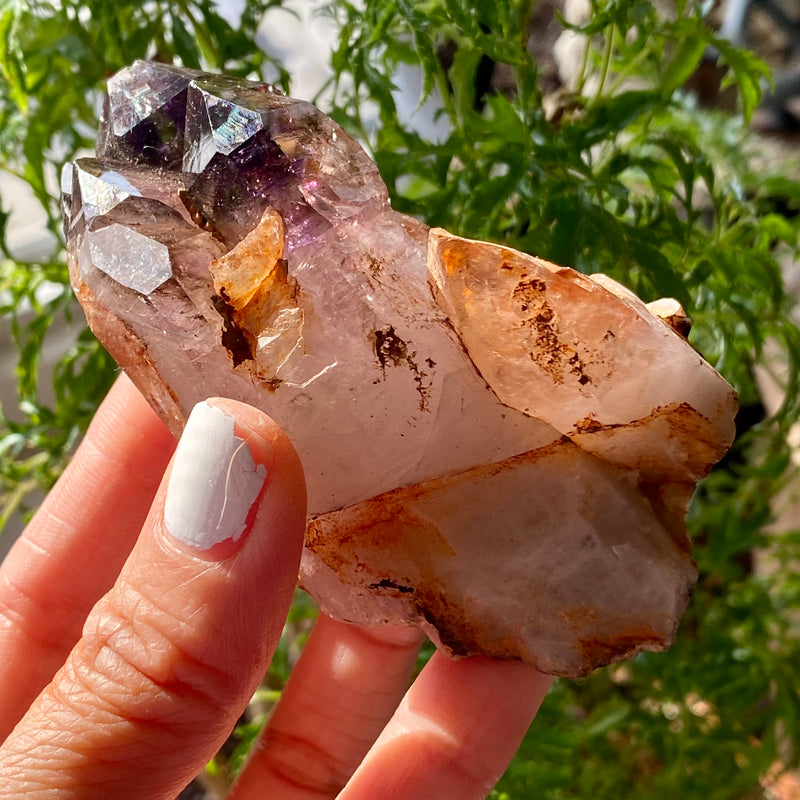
(128, 657)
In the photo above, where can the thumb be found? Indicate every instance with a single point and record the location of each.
(171, 655)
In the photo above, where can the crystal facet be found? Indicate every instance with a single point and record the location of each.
(131, 259)
(496, 448)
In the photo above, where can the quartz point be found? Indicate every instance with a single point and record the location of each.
(496, 448)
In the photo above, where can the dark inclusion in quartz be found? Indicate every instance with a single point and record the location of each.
(496, 448)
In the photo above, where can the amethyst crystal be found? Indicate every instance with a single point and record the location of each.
(486, 450)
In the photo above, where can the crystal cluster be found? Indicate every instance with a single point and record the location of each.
(496, 448)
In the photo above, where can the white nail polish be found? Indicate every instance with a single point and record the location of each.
(214, 481)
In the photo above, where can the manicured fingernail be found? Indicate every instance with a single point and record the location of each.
(214, 481)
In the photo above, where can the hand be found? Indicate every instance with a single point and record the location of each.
(139, 611)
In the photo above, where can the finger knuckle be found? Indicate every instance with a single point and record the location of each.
(138, 660)
(302, 764)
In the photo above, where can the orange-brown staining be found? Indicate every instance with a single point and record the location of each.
(259, 296)
(403, 546)
(605, 649)
(529, 294)
(598, 647)
(589, 425)
(250, 269)
(678, 422)
(453, 256)
(578, 618)
(390, 349)
(457, 632)
(376, 530)
(664, 478)
(373, 264)
(399, 547)
(549, 350)
(130, 350)
(687, 424)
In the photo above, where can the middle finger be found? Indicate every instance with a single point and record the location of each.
(345, 687)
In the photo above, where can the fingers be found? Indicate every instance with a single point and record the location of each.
(170, 656)
(454, 733)
(76, 544)
(345, 686)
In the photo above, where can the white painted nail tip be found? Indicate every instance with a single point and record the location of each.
(214, 481)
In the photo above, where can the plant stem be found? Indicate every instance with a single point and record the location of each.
(579, 84)
(604, 68)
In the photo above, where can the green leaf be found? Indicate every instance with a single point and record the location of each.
(747, 71)
(12, 61)
(611, 115)
(660, 272)
(776, 226)
(186, 45)
(683, 62)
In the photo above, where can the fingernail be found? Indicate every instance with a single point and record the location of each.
(214, 482)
